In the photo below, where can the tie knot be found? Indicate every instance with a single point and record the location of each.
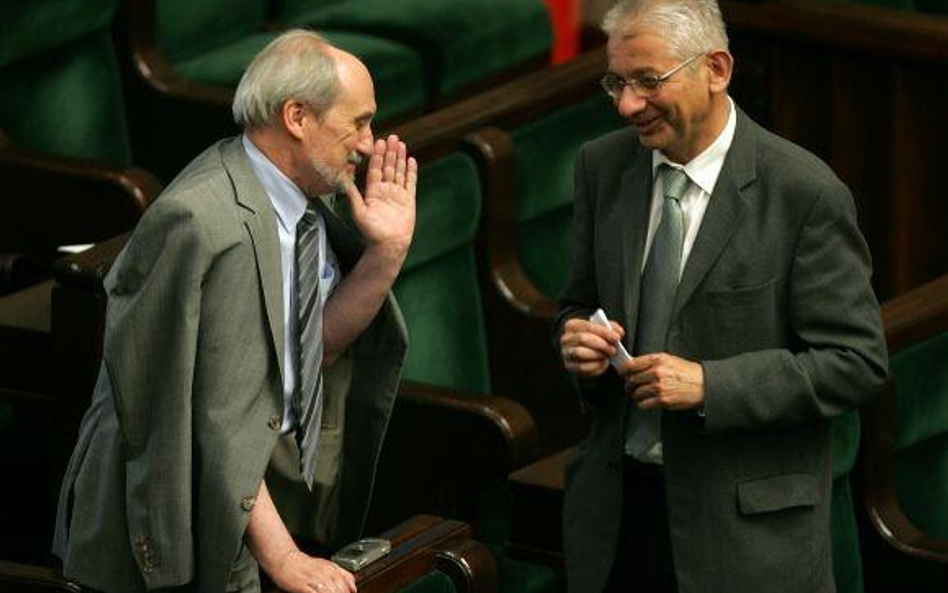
(310, 216)
(674, 181)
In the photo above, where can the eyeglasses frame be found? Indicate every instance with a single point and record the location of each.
(636, 83)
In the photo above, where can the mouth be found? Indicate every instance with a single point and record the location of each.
(356, 162)
(647, 125)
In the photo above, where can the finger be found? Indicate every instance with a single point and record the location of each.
(374, 174)
(643, 363)
(350, 580)
(618, 329)
(356, 201)
(588, 369)
(643, 393)
(400, 165)
(584, 343)
(391, 155)
(646, 377)
(411, 176)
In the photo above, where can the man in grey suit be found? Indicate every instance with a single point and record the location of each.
(732, 268)
(209, 347)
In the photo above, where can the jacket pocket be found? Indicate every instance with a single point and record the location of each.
(774, 493)
(742, 296)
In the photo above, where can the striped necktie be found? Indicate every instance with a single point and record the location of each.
(657, 297)
(308, 401)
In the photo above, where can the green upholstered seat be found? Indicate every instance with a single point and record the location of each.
(437, 289)
(921, 376)
(212, 42)
(61, 91)
(29, 27)
(433, 582)
(546, 152)
(438, 293)
(847, 561)
(462, 41)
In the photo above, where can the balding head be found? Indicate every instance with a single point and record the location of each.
(298, 65)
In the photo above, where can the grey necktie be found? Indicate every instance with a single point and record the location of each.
(308, 401)
(657, 297)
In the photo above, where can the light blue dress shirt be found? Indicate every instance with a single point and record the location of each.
(289, 203)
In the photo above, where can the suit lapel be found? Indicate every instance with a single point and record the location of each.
(635, 195)
(261, 223)
(734, 188)
(346, 245)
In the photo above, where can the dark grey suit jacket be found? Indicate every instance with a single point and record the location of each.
(188, 404)
(775, 302)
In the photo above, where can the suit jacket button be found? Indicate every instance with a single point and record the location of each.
(275, 422)
(247, 503)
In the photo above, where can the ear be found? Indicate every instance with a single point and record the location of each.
(721, 65)
(292, 115)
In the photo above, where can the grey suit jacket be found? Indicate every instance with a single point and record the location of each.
(775, 302)
(189, 398)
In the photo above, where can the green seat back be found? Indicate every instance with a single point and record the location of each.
(921, 376)
(188, 29)
(546, 152)
(847, 561)
(58, 71)
(28, 27)
(462, 41)
(213, 42)
(437, 289)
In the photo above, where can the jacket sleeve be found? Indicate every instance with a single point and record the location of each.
(154, 306)
(580, 298)
(837, 358)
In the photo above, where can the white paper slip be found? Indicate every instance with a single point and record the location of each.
(622, 355)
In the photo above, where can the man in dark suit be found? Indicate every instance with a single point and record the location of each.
(732, 267)
(242, 313)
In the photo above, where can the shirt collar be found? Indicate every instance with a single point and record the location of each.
(704, 169)
(287, 198)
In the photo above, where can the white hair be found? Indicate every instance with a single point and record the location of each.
(295, 65)
(690, 26)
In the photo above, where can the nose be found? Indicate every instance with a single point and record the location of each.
(629, 102)
(366, 140)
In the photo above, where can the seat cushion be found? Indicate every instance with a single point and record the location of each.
(396, 70)
(462, 41)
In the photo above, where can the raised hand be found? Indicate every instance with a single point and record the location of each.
(386, 213)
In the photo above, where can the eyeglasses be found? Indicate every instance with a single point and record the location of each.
(643, 86)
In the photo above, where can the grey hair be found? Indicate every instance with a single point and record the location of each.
(690, 26)
(295, 65)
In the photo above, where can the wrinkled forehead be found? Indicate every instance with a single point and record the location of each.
(638, 50)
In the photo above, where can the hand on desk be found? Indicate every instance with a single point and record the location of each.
(300, 573)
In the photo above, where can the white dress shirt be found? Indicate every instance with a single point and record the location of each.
(703, 171)
(289, 203)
